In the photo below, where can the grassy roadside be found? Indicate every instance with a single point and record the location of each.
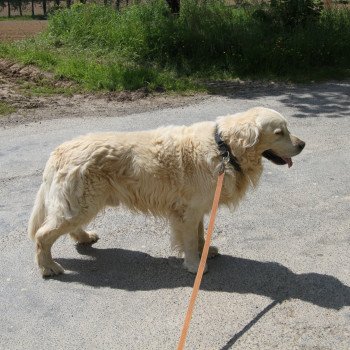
(145, 46)
(93, 72)
(6, 109)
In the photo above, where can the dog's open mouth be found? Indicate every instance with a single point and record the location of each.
(274, 158)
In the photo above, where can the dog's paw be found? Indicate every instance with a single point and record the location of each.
(193, 267)
(93, 237)
(213, 252)
(51, 269)
(87, 238)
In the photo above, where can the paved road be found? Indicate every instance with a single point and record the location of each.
(282, 280)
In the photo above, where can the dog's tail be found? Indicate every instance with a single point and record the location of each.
(38, 213)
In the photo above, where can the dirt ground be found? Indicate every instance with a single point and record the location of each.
(16, 30)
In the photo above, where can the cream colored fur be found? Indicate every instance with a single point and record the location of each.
(169, 172)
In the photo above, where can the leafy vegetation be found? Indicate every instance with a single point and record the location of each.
(146, 45)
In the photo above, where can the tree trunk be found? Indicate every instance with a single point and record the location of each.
(69, 2)
(57, 2)
(117, 5)
(20, 8)
(174, 5)
(44, 7)
(33, 12)
(8, 8)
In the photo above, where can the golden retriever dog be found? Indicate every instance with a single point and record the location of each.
(169, 172)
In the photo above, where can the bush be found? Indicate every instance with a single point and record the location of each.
(295, 12)
(146, 46)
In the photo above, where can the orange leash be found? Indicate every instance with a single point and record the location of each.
(203, 260)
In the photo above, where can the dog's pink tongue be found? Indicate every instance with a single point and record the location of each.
(288, 161)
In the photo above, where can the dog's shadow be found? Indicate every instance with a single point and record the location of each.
(135, 271)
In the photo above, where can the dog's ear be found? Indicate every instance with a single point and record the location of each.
(245, 135)
(239, 133)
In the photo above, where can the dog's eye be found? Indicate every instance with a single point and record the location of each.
(279, 132)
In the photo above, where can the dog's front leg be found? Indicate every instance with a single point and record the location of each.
(213, 251)
(185, 237)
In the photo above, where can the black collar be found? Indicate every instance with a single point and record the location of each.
(225, 151)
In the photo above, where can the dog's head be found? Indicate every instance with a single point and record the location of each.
(263, 131)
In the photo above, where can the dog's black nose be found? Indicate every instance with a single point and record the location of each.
(301, 145)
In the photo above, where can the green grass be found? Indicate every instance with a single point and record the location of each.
(6, 108)
(46, 88)
(145, 46)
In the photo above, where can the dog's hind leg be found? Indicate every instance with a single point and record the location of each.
(83, 237)
(45, 238)
(213, 251)
(56, 225)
